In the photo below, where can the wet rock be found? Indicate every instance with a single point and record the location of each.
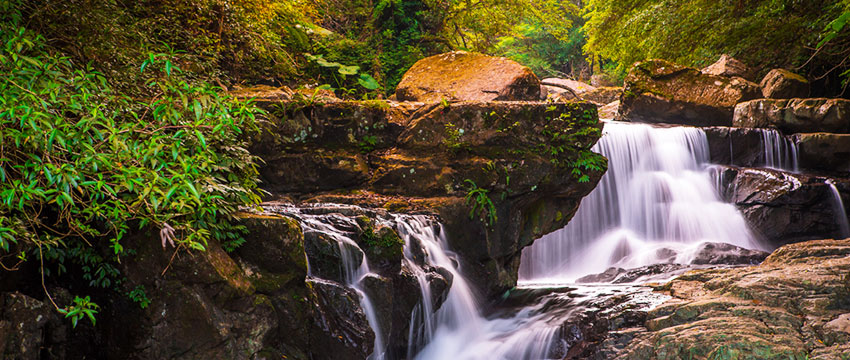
(729, 67)
(795, 115)
(657, 91)
(273, 252)
(824, 152)
(603, 95)
(735, 146)
(339, 329)
(727, 254)
(382, 245)
(780, 206)
(465, 76)
(783, 84)
(328, 256)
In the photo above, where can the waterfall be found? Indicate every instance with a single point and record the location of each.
(840, 213)
(779, 152)
(656, 204)
(457, 328)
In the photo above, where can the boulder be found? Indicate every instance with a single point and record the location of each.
(603, 95)
(735, 146)
(729, 67)
(795, 115)
(466, 76)
(559, 94)
(657, 91)
(782, 207)
(783, 84)
(31, 329)
(824, 152)
(339, 328)
(609, 111)
(602, 80)
(577, 87)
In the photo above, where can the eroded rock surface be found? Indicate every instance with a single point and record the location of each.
(790, 306)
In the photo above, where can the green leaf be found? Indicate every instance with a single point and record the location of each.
(368, 82)
(348, 70)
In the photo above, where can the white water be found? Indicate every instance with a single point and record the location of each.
(840, 214)
(779, 152)
(458, 330)
(655, 204)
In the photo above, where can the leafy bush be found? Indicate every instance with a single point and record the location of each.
(82, 164)
(482, 206)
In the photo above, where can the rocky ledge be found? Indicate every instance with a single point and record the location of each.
(795, 305)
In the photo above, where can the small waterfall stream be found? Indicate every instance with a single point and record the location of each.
(840, 214)
(656, 204)
(779, 152)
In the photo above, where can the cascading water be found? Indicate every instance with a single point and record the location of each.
(457, 328)
(655, 204)
(779, 151)
(840, 214)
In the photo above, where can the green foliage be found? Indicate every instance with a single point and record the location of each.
(563, 145)
(482, 206)
(367, 143)
(342, 71)
(453, 139)
(534, 45)
(83, 307)
(81, 164)
(139, 296)
(761, 33)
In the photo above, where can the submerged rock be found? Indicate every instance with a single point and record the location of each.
(465, 76)
(795, 115)
(657, 91)
(783, 84)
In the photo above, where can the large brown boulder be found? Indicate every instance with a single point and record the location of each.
(657, 91)
(466, 76)
(603, 95)
(729, 67)
(795, 115)
(783, 84)
(577, 87)
(824, 151)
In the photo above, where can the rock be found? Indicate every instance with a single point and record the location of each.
(657, 91)
(559, 94)
(328, 257)
(824, 152)
(776, 310)
(263, 92)
(783, 84)
(602, 80)
(727, 254)
(609, 111)
(795, 115)
(729, 67)
(603, 95)
(735, 146)
(465, 76)
(340, 326)
(577, 87)
(30, 329)
(273, 251)
(839, 324)
(782, 207)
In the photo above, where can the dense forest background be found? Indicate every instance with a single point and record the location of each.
(113, 118)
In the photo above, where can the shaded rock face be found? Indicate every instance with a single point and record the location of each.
(465, 76)
(729, 67)
(783, 207)
(786, 307)
(30, 329)
(342, 328)
(735, 146)
(825, 152)
(658, 91)
(609, 111)
(783, 84)
(518, 152)
(795, 115)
